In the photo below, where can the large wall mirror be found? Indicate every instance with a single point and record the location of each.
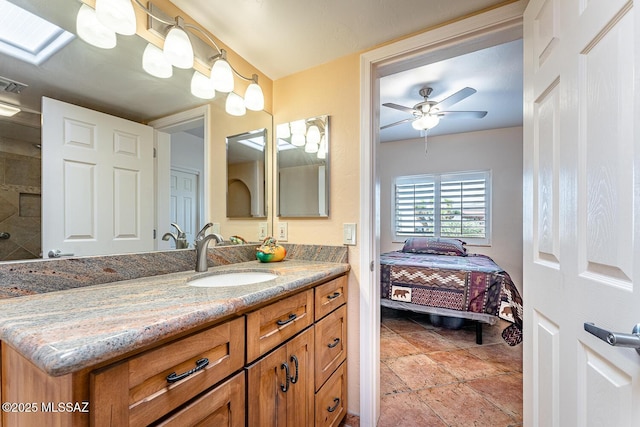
(246, 169)
(303, 167)
(77, 75)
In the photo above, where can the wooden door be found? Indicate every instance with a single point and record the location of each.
(300, 397)
(266, 395)
(581, 211)
(97, 182)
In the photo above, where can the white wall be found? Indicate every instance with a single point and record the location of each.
(499, 150)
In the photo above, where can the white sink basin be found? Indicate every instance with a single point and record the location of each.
(232, 279)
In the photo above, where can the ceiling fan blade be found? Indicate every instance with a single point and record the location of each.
(397, 123)
(400, 107)
(456, 97)
(463, 114)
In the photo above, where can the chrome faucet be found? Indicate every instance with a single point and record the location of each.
(180, 238)
(201, 243)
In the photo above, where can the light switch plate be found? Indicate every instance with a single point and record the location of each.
(349, 230)
(283, 231)
(263, 229)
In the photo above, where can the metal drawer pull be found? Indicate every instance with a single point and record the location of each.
(285, 387)
(616, 339)
(291, 318)
(334, 407)
(335, 342)
(334, 295)
(200, 364)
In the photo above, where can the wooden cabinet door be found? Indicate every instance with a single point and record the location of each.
(300, 396)
(280, 385)
(266, 398)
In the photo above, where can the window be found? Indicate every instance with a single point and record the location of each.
(448, 205)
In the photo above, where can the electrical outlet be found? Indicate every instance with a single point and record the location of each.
(283, 231)
(349, 231)
(263, 229)
(215, 228)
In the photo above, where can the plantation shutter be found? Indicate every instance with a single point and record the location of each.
(463, 206)
(415, 207)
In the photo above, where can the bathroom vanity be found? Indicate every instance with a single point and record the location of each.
(160, 351)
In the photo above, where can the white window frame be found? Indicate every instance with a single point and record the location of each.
(438, 179)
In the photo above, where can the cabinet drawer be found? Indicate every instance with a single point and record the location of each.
(222, 406)
(330, 296)
(143, 388)
(271, 325)
(330, 344)
(331, 400)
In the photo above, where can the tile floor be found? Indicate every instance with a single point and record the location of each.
(436, 377)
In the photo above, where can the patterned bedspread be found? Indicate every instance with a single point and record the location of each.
(474, 283)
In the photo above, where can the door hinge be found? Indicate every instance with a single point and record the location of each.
(155, 153)
(154, 234)
(372, 265)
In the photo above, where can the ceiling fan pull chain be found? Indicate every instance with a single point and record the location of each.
(426, 147)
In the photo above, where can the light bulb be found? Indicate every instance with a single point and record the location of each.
(117, 15)
(254, 98)
(235, 105)
(92, 31)
(222, 76)
(201, 86)
(298, 127)
(178, 49)
(425, 122)
(155, 63)
(283, 131)
(313, 134)
(298, 139)
(311, 147)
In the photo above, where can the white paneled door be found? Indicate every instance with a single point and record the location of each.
(184, 202)
(97, 182)
(581, 212)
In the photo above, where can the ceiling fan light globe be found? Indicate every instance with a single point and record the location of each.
(426, 122)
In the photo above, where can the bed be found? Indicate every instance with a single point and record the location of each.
(438, 277)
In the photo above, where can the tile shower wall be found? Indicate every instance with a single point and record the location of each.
(20, 206)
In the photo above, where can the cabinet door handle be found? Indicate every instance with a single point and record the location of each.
(336, 402)
(294, 359)
(285, 387)
(335, 342)
(200, 364)
(333, 295)
(290, 319)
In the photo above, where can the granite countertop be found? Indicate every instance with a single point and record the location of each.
(66, 331)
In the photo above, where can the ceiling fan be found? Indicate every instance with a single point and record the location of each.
(427, 114)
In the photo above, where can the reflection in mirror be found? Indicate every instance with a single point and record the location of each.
(303, 167)
(125, 91)
(246, 160)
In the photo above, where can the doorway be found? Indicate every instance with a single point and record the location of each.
(494, 27)
(182, 146)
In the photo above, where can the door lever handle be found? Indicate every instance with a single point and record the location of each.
(57, 254)
(616, 339)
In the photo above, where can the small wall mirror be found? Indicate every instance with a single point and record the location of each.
(303, 167)
(246, 184)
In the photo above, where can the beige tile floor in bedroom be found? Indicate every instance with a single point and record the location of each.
(436, 377)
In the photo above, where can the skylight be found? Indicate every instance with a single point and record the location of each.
(28, 37)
